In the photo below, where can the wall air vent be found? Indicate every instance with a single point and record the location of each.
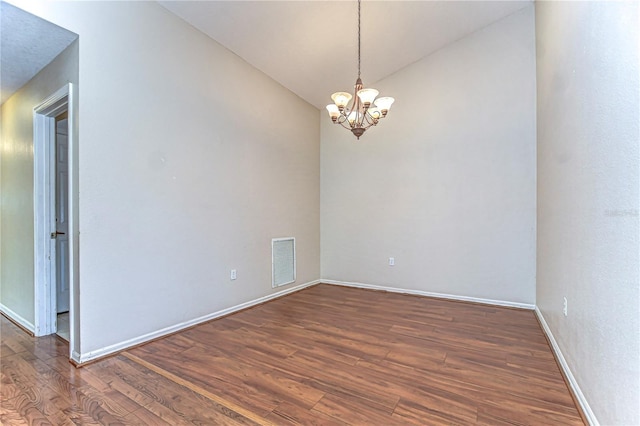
(283, 261)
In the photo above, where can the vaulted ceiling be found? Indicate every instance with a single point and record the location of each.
(310, 47)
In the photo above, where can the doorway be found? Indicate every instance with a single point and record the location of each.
(62, 224)
(55, 225)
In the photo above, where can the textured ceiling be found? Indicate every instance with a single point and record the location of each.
(27, 45)
(310, 47)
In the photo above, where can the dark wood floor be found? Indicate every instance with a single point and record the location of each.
(326, 355)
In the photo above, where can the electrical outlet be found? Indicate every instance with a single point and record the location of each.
(392, 261)
(233, 274)
(564, 307)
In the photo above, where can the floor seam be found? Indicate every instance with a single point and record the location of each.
(197, 389)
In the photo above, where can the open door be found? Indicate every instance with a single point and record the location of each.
(61, 220)
(55, 215)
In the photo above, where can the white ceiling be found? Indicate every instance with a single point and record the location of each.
(310, 47)
(27, 45)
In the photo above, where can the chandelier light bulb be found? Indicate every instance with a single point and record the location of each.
(367, 96)
(374, 112)
(353, 116)
(334, 111)
(341, 99)
(384, 104)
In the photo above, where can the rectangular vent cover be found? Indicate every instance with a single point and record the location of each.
(283, 261)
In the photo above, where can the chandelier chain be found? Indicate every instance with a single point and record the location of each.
(358, 38)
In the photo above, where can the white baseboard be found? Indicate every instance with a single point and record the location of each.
(577, 392)
(429, 294)
(109, 350)
(18, 319)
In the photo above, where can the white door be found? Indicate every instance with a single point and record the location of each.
(62, 225)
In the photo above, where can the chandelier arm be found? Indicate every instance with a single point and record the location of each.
(366, 121)
(345, 113)
(342, 123)
(357, 104)
(369, 118)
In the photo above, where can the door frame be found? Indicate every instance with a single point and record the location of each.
(44, 200)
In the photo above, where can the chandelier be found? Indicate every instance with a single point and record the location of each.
(360, 114)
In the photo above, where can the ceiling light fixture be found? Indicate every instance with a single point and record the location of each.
(360, 114)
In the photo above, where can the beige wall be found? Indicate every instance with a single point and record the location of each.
(16, 183)
(187, 172)
(445, 184)
(589, 195)
(190, 162)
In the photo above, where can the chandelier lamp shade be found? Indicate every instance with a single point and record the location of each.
(362, 110)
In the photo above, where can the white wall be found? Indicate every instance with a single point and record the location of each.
(190, 162)
(588, 197)
(16, 183)
(446, 183)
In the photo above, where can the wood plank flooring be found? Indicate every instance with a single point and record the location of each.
(326, 355)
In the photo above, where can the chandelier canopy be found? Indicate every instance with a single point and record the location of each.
(362, 110)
